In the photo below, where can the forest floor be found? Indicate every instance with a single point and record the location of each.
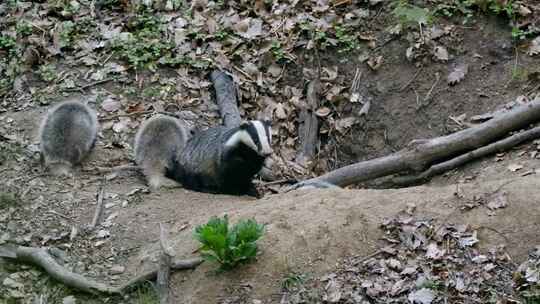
(427, 70)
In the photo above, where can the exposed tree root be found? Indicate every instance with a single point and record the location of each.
(421, 154)
(42, 258)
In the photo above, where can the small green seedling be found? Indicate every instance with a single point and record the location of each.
(229, 246)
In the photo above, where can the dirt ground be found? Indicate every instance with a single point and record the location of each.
(308, 231)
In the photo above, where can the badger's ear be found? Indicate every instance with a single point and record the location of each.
(267, 122)
(244, 124)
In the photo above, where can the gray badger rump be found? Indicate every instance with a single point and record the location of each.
(157, 142)
(67, 135)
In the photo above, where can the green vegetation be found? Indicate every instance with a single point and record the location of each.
(47, 72)
(8, 200)
(339, 36)
(8, 44)
(23, 28)
(146, 295)
(277, 51)
(346, 41)
(468, 8)
(433, 285)
(411, 15)
(229, 246)
(144, 45)
(519, 74)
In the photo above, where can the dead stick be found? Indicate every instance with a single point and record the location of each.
(84, 87)
(164, 270)
(152, 274)
(99, 205)
(308, 130)
(420, 154)
(498, 146)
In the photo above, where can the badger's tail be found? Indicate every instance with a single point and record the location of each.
(60, 168)
(155, 177)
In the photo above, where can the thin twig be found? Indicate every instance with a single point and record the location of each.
(244, 73)
(114, 169)
(84, 87)
(281, 181)
(125, 115)
(428, 95)
(99, 206)
(412, 79)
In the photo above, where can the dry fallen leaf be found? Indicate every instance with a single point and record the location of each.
(441, 53)
(499, 200)
(110, 105)
(515, 167)
(333, 292)
(458, 74)
(323, 111)
(422, 296)
(280, 111)
(534, 48)
(375, 62)
(433, 252)
(345, 123)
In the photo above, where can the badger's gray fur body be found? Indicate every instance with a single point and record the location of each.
(223, 159)
(67, 135)
(157, 142)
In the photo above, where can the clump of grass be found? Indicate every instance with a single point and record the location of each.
(229, 246)
(293, 279)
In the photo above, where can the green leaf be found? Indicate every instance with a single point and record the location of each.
(412, 13)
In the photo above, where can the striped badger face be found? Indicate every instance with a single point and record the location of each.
(255, 134)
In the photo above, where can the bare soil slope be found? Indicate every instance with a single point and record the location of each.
(309, 231)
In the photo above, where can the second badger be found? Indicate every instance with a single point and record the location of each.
(219, 159)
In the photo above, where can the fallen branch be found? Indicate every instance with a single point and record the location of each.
(420, 154)
(498, 146)
(42, 258)
(308, 130)
(164, 270)
(114, 169)
(226, 98)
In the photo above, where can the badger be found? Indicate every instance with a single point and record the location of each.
(224, 159)
(67, 135)
(157, 142)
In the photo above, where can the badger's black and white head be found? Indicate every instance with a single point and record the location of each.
(255, 134)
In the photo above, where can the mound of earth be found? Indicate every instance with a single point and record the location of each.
(310, 231)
